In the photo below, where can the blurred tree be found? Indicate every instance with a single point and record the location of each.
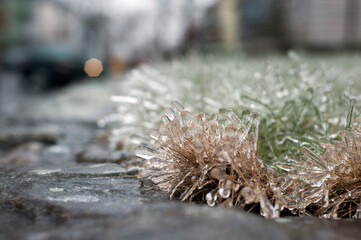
(16, 15)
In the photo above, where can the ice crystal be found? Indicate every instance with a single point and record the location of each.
(329, 185)
(215, 160)
(211, 160)
(290, 157)
(299, 101)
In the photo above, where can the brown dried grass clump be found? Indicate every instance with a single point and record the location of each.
(211, 160)
(215, 160)
(329, 185)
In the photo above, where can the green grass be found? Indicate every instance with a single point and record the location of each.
(303, 100)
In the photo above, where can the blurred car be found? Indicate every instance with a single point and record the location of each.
(44, 65)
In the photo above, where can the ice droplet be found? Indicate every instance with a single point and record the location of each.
(248, 194)
(236, 187)
(179, 107)
(188, 117)
(217, 174)
(267, 210)
(211, 199)
(224, 192)
(146, 152)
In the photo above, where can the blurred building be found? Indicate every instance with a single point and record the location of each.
(55, 23)
(120, 32)
(263, 24)
(323, 23)
(316, 24)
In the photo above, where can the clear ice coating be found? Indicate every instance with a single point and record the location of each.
(330, 182)
(297, 101)
(216, 159)
(211, 199)
(307, 98)
(213, 158)
(224, 192)
(146, 152)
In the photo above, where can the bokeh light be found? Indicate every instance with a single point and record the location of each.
(93, 67)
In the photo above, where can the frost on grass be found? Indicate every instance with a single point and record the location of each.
(211, 160)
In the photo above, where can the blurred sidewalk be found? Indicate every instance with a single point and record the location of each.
(10, 93)
(83, 101)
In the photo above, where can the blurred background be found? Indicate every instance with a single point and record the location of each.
(124, 33)
(83, 81)
(45, 43)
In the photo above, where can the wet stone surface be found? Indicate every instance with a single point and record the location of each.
(15, 135)
(71, 192)
(58, 182)
(100, 154)
(65, 199)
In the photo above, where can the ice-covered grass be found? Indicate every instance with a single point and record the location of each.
(301, 99)
(304, 104)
